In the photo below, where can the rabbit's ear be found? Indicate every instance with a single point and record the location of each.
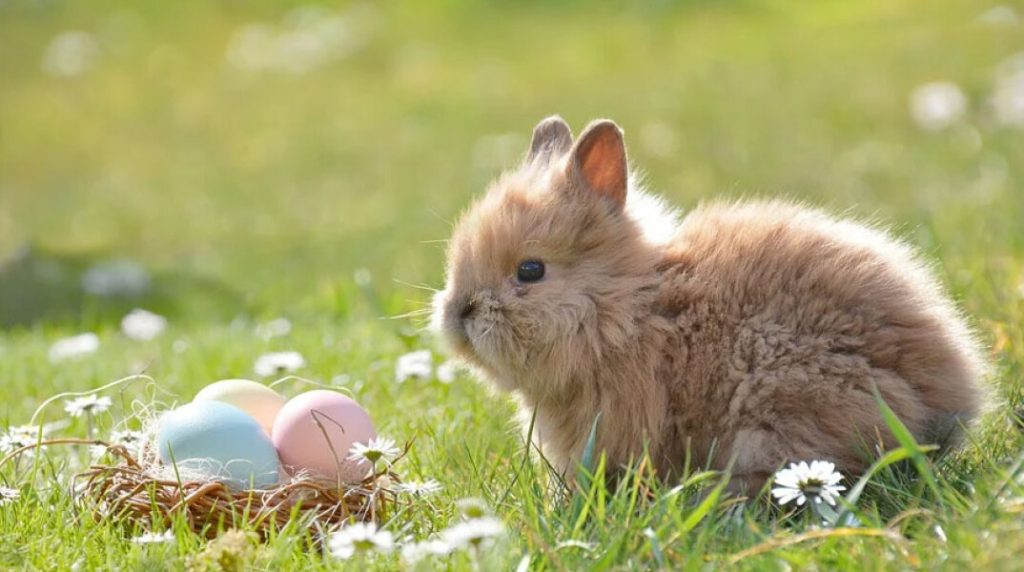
(598, 162)
(551, 138)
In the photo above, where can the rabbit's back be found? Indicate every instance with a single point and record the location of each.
(785, 320)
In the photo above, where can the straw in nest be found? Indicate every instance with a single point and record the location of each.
(129, 492)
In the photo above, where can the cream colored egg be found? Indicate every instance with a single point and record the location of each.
(256, 399)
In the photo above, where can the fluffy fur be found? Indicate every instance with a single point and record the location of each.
(750, 336)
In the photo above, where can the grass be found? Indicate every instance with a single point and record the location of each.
(253, 195)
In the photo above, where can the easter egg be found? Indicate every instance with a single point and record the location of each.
(219, 441)
(254, 398)
(314, 431)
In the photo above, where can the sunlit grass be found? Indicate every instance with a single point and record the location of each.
(325, 196)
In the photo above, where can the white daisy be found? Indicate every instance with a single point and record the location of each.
(308, 38)
(362, 277)
(418, 364)
(120, 277)
(8, 495)
(274, 328)
(572, 543)
(360, 538)
(937, 105)
(130, 439)
(276, 363)
(1007, 101)
(800, 481)
(447, 371)
(471, 508)
(90, 405)
(999, 15)
(70, 54)
(17, 437)
(377, 449)
(142, 325)
(74, 346)
(475, 532)
(414, 552)
(419, 488)
(154, 538)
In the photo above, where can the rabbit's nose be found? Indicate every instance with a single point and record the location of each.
(466, 309)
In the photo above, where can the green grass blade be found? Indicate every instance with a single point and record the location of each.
(907, 441)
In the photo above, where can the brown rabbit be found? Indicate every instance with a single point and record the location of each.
(751, 333)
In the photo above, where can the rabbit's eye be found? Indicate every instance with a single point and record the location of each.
(530, 271)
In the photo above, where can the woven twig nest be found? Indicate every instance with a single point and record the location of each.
(132, 491)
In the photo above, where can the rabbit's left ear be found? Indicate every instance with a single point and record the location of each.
(598, 162)
(551, 138)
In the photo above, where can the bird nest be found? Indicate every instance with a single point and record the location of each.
(134, 489)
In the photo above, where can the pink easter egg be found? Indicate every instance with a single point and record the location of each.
(315, 430)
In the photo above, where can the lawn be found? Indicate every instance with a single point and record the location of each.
(234, 163)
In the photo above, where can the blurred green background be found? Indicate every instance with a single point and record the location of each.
(231, 163)
(250, 156)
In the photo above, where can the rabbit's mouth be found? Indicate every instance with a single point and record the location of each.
(452, 319)
(459, 339)
(474, 329)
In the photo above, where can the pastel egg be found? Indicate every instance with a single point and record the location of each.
(218, 441)
(254, 398)
(314, 431)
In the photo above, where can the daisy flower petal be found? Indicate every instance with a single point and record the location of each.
(817, 481)
(360, 537)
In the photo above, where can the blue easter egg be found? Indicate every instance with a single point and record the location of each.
(220, 441)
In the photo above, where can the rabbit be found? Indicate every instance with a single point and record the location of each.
(743, 336)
